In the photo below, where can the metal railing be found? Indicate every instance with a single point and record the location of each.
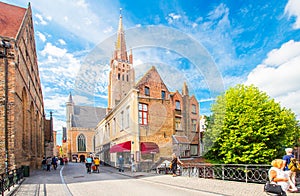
(10, 178)
(234, 172)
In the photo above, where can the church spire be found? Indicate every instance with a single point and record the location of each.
(120, 48)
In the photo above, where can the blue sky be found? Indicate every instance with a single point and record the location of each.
(211, 45)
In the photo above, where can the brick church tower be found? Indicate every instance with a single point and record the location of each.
(121, 76)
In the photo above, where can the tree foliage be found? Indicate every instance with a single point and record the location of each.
(247, 126)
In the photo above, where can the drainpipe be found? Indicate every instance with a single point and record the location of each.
(5, 45)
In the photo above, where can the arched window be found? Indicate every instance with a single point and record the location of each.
(81, 143)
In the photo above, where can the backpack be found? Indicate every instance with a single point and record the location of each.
(294, 165)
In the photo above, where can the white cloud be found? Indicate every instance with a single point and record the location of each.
(287, 51)
(292, 8)
(53, 51)
(40, 19)
(279, 75)
(173, 17)
(79, 17)
(62, 42)
(41, 36)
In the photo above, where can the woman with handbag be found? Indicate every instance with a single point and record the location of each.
(278, 176)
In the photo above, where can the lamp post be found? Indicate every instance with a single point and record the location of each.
(3, 54)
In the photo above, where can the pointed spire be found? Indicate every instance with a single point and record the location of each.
(185, 90)
(70, 98)
(120, 50)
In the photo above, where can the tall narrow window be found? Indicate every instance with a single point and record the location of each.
(143, 114)
(194, 125)
(194, 109)
(127, 117)
(163, 94)
(122, 120)
(114, 126)
(81, 143)
(147, 91)
(119, 76)
(178, 105)
(178, 123)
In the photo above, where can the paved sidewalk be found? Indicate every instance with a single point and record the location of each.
(35, 184)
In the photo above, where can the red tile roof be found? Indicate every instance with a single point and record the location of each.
(181, 139)
(10, 19)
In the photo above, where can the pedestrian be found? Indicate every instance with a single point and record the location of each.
(121, 163)
(175, 161)
(49, 162)
(292, 175)
(132, 165)
(44, 163)
(97, 164)
(54, 162)
(61, 161)
(278, 176)
(88, 164)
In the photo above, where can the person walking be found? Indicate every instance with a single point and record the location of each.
(175, 161)
(44, 163)
(97, 163)
(88, 163)
(48, 162)
(54, 162)
(292, 175)
(121, 163)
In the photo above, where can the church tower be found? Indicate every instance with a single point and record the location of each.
(69, 111)
(121, 76)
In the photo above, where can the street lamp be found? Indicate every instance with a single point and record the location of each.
(3, 54)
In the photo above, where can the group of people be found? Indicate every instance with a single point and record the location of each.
(94, 163)
(280, 174)
(47, 162)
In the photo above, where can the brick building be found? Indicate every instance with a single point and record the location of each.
(22, 117)
(145, 122)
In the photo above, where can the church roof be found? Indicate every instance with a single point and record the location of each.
(11, 18)
(87, 116)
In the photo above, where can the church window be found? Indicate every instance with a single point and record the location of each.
(119, 76)
(147, 91)
(143, 114)
(81, 143)
(122, 77)
(127, 78)
(178, 105)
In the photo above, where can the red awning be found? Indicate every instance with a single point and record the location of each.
(122, 147)
(149, 147)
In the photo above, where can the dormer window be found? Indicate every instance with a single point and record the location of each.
(147, 91)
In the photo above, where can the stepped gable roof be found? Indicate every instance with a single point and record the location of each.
(11, 18)
(87, 116)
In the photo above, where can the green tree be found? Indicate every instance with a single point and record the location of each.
(247, 126)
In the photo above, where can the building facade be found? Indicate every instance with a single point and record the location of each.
(79, 133)
(22, 116)
(146, 122)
